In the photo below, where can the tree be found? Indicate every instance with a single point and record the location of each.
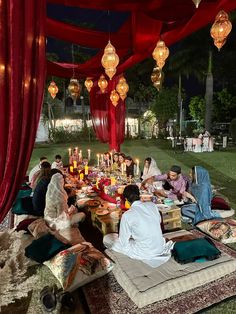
(197, 109)
(165, 105)
(209, 94)
(224, 106)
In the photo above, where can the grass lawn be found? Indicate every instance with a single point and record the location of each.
(220, 164)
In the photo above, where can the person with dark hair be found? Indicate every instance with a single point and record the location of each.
(37, 168)
(40, 191)
(140, 236)
(58, 164)
(131, 167)
(175, 184)
(43, 173)
(115, 163)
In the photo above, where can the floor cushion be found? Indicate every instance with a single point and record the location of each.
(146, 285)
(219, 203)
(78, 265)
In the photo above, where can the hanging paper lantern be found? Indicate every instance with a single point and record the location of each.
(74, 88)
(88, 84)
(221, 29)
(122, 88)
(196, 2)
(53, 89)
(114, 97)
(102, 83)
(110, 60)
(160, 53)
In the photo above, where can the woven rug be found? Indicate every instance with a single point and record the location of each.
(105, 295)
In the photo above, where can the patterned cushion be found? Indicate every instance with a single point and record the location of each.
(223, 230)
(23, 225)
(78, 265)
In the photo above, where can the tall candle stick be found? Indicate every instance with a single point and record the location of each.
(98, 156)
(137, 169)
(89, 154)
(69, 151)
(111, 158)
(80, 155)
(122, 168)
(76, 150)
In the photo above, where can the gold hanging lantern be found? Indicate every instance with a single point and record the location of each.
(74, 88)
(53, 89)
(122, 88)
(196, 2)
(110, 60)
(221, 29)
(114, 97)
(160, 53)
(88, 84)
(102, 83)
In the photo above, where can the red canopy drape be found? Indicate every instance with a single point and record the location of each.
(22, 67)
(108, 120)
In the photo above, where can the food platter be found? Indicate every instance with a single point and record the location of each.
(93, 203)
(102, 212)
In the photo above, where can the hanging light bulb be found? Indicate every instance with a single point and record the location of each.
(88, 84)
(221, 29)
(114, 97)
(110, 60)
(122, 88)
(160, 53)
(53, 89)
(74, 88)
(196, 2)
(102, 83)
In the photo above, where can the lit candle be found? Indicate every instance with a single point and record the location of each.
(122, 168)
(81, 176)
(111, 158)
(113, 180)
(108, 160)
(86, 168)
(76, 150)
(137, 169)
(75, 164)
(89, 154)
(98, 156)
(71, 169)
(80, 155)
(69, 150)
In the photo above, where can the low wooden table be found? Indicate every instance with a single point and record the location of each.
(106, 224)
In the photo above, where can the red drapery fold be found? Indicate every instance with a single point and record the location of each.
(108, 120)
(22, 67)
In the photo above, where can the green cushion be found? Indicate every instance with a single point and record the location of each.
(192, 250)
(44, 248)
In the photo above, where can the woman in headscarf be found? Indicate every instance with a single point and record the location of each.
(57, 213)
(201, 195)
(150, 168)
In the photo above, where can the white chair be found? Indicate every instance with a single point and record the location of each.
(188, 144)
(205, 144)
(197, 145)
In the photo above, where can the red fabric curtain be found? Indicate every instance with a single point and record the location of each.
(108, 120)
(22, 67)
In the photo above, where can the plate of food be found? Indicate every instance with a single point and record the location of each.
(102, 212)
(93, 203)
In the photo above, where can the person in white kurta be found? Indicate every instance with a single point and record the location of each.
(140, 236)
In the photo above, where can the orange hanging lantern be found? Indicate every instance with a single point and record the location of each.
(110, 60)
(196, 2)
(102, 83)
(114, 97)
(53, 89)
(221, 29)
(88, 84)
(122, 88)
(74, 88)
(160, 53)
